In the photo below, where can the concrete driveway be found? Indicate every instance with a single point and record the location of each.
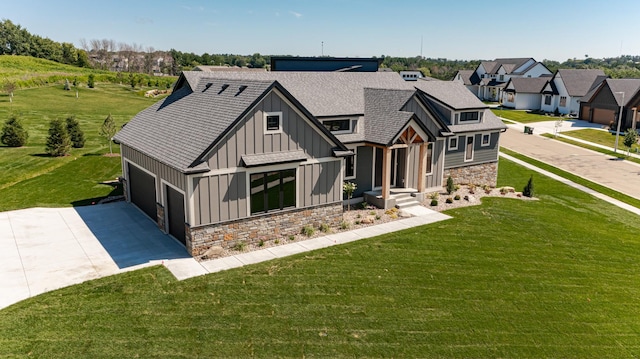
(42, 249)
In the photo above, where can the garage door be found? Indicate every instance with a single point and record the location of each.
(175, 214)
(585, 111)
(603, 116)
(142, 187)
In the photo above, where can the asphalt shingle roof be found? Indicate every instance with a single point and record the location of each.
(579, 81)
(489, 122)
(528, 84)
(454, 94)
(180, 128)
(629, 86)
(465, 76)
(383, 116)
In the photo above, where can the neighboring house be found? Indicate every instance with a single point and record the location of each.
(215, 68)
(602, 104)
(411, 75)
(345, 64)
(245, 156)
(524, 93)
(490, 77)
(467, 78)
(567, 87)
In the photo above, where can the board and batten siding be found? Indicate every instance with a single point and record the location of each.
(319, 183)
(413, 106)
(162, 171)
(364, 171)
(455, 158)
(248, 136)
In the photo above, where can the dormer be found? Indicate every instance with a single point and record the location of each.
(467, 116)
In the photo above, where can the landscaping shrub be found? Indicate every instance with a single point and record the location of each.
(75, 133)
(449, 200)
(451, 187)
(58, 142)
(344, 225)
(91, 81)
(308, 230)
(13, 134)
(324, 228)
(108, 130)
(457, 197)
(528, 189)
(434, 202)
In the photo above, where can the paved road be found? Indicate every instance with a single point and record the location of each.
(622, 176)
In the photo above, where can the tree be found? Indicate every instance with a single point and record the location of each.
(528, 189)
(58, 142)
(348, 188)
(75, 133)
(91, 81)
(13, 134)
(108, 130)
(630, 139)
(451, 187)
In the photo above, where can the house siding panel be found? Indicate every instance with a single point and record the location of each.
(455, 158)
(364, 168)
(162, 171)
(414, 106)
(220, 197)
(435, 178)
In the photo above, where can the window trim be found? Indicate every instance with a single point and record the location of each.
(549, 97)
(482, 144)
(562, 99)
(281, 206)
(476, 120)
(466, 146)
(350, 130)
(270, 114)
(429, 169)
(355, 165)
(451, 147)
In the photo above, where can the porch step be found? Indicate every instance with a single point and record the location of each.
(405, 201)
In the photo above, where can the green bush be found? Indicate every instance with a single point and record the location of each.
(457, 197)
(13, 134)
(434, 202)
(324, 228)
(58, 142)
(451, 187)
(308, 230)
(75, 133)
(449, 200)
(91, 82)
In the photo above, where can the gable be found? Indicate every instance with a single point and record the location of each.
(298, 134)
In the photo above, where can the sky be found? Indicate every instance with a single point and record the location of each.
(463, 29)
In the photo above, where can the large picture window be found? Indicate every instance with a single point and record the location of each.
(469, 116)
(338, 125)
(273, 191)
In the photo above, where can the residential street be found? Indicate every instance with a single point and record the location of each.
(622, 176)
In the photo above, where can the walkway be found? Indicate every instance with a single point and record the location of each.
(621, 176)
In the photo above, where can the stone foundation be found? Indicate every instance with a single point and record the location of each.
(482, 174)
(123, 181)
(270, 226)
(160, 216)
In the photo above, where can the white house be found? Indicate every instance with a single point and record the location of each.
(524, 93)
(567, 87)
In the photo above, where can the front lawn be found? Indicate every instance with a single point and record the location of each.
(520, 279)
(604, 138)
(522, 116)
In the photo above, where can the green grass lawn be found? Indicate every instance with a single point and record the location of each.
(522, 116)
(604, 138)
(28, 176)
(557, 277)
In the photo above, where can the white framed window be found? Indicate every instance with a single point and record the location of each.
(430, 158)
(453, 143)
(468, 148)
(486, 140)
(272, 122)
(563, 101)
(547, 100)
(471, 116)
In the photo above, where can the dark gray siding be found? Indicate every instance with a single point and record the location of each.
(162, 171)
(220, 198)
(249, 138)
(435, 178)
(364, 168)
(413, 106)
(455, 158)
(445, 111)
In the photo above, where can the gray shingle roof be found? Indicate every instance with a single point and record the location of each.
(465, 76)
(629, 86)
(323, 93)
(579, 81)
(489, 122)
(180, 128)
(383, 116)
(454, 94)
(273, 158)
(528, 84)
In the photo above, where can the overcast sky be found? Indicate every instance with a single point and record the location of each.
(464, 29)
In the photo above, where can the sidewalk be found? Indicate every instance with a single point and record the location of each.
(621, 176)
(188, 267)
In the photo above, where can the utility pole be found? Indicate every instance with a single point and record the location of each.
(322, 48)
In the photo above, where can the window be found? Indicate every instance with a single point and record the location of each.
(468, 116)
(429, 158)
(338, 126)
(563, 101)
(272, 122)
(274, 190)
(468, 151)
(350, 166)
(486, 140)
(547, 100)
(501, 77)
(510, 97)
(453, 143)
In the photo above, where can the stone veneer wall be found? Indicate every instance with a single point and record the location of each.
(160, 216)
(276, 225)
(482, 174)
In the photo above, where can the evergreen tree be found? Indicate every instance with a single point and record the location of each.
(58, 143)
(91, 81)
(75, 133)
(528, 189)
(451, 187)
(13, 134)
(108, 130)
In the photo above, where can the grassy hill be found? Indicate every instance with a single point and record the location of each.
(28, 177)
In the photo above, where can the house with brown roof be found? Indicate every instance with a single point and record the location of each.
(250, 156)
(603, 103)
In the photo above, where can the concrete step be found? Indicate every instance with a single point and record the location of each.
(408, 202)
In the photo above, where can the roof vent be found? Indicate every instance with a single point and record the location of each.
(206, 87)
(242, 88)
(224, 87)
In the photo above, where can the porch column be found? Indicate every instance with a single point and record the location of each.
(633, 118)
(386, 172)
(422, 167)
